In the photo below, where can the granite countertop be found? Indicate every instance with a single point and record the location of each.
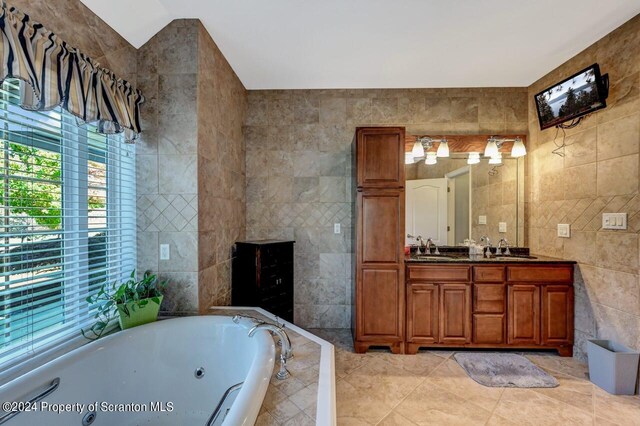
(459, 256)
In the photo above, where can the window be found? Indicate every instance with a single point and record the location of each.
(68, 223)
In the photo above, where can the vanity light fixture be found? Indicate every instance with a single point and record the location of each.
(418, 150)
(443, 148)
(494, 144)
(432, 158)
(518, 150)
(408, 158)
(496, 159)
(474, 158)
(492, 148)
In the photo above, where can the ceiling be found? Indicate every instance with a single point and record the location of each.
(310, 44)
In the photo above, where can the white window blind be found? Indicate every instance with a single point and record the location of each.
(67, 226)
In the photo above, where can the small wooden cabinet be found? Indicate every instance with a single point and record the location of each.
(262, 275)
(482, 306)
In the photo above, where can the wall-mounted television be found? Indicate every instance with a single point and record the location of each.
(581, 94)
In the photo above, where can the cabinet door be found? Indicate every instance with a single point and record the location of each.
(524, 314)
(380, 157)
(381, 226)
(380, 301)
(557, 314)
(455, 313)
(422, 313)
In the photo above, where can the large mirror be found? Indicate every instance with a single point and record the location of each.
(452, 201)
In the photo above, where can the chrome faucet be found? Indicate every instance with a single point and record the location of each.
(285, 351)
(487, 248)
(419, 240)
(503, 243)
(430, 244)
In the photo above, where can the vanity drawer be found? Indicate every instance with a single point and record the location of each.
(540, 274)
(439, 273)
(488, 273)
(488, 298)
(488, 329)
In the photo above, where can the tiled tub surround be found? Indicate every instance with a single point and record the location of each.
(431, 388)
(307, 397)
(599, 173)
(190, 165)
(298, 164)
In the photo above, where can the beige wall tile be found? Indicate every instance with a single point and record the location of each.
(618, 175)
(619, 137)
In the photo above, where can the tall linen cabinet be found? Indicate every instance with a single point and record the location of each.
(379, 296)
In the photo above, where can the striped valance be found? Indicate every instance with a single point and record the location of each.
(52, 74)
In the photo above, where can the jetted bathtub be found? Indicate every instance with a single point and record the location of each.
(171, 372)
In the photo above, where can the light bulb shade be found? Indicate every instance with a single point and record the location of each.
(518, 150)
(491, 149)
(431, 159)
(418, 150)
(443, 149)
(408, 158)
(474, 158)
(496, 159)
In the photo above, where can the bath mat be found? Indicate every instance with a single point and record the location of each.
(504, 370)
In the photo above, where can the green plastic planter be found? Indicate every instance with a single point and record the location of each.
(141, 315)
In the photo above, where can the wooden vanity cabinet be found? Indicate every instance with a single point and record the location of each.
(492, 306)
(438, 306)
(379, 300)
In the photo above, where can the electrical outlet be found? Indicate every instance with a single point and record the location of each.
(564, 230)
(336, 228)
(482, 220)
(165, 252)
(502, 226)
(614, 221)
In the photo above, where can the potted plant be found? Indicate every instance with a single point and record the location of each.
(136, 302)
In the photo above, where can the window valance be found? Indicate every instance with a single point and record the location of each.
(52, 74)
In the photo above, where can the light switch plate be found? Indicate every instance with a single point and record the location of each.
(336, 228)
(165, 252)
(502, 226)
(614, 221)
(482, 220)
(564, 230)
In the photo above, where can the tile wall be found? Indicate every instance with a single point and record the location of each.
(598, 173)
(298, 166)
(190, 160)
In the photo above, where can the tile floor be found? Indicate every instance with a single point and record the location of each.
(378, 388)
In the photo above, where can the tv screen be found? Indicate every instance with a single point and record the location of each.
(580, 94)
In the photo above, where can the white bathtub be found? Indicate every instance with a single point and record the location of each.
(154, 363)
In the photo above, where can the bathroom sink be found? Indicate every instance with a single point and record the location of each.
(514, 258)
(426, 257)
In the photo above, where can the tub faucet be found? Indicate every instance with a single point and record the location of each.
(285, 352)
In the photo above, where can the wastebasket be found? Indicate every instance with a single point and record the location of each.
(613, 366)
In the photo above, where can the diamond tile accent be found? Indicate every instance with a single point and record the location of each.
(167, 212)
